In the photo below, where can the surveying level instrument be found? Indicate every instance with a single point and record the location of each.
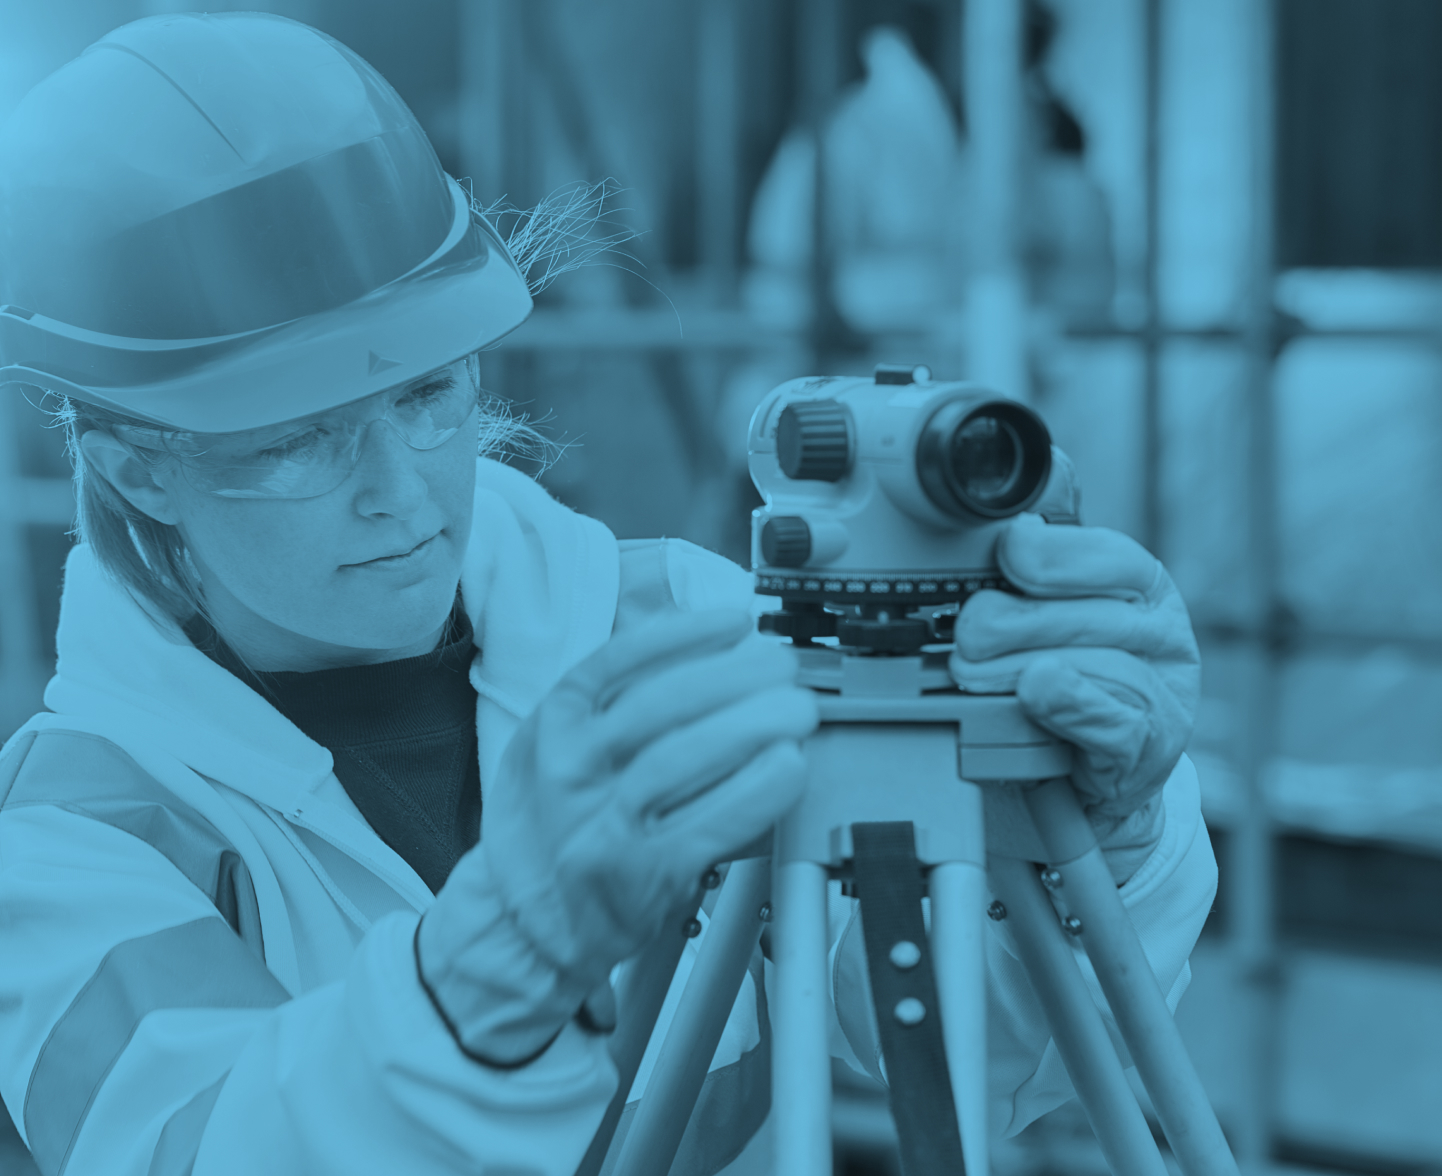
(884, 499)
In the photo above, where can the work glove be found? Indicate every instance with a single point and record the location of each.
(1100, 652)
(668, 750)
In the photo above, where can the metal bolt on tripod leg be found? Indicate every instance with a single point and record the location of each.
(909, 1011)
(905, 955)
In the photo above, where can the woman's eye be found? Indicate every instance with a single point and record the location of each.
(426, 393)
(292, 446)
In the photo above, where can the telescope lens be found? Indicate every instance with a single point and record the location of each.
(986, 461)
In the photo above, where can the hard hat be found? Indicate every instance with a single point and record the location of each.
(217, 222)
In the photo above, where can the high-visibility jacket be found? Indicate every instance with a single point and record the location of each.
(206, 952)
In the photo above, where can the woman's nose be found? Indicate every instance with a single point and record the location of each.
(388, 482)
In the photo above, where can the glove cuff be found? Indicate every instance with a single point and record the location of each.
(1129, 843)
(501, 1000)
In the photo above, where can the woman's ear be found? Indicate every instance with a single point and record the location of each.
(132, 479)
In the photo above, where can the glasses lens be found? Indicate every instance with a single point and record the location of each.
(312, 457)
(986, 460)
(429, 414)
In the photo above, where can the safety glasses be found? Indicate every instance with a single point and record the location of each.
(312, 456)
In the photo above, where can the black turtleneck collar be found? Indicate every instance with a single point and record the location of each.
(402, 734)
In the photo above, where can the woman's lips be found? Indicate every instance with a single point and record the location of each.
(415, 553)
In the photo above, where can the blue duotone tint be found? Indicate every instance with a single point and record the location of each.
(244, 196)
(1207, 253)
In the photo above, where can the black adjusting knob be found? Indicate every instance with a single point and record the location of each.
(813, 440)
(785, 541)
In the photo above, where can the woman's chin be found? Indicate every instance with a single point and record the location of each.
(405, 619)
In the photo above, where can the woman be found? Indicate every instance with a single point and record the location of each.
(308, 645)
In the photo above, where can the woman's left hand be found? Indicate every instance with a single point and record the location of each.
(1099, 651)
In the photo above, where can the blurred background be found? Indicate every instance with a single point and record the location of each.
(1202, 237)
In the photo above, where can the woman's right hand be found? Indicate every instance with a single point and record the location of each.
(669, 749)
(672, 747)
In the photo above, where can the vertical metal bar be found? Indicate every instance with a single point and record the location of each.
(1251, 905)
(1153, 522)
(531, 53)
(819, 44)
(996, 306)
(958, 944)
(486, 37)
(487, 45)
(717, 142)
(718, 252)
(801, 1059)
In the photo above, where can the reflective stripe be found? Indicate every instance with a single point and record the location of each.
(180, 1140)
(94, 778)
(10, 763)
(734, 1101)
(197, 965)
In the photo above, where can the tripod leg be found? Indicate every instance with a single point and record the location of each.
(1076, 1025)
(675, 1082)
(958, 896)
(801, 1059)
(641, 991)
(1137, 1001)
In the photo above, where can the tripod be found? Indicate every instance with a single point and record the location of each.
(897, 803)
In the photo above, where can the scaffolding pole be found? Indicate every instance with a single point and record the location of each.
(486, 35)
(819, 71)
(717, 146)
(487, 108)
(996, 302)
(1153, 517)
(1251, 902)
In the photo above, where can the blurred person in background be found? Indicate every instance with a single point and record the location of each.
(365, 761)
(1067, 246)
(895, 175)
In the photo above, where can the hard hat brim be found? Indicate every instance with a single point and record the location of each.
(467, 295)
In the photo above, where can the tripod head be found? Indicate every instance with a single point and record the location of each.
(884, 499)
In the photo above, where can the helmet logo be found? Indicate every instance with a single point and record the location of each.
(380, 364)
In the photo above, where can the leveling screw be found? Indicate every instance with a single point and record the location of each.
(905, 955)
(909, 1011)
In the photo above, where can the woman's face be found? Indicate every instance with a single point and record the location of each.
(311, 583)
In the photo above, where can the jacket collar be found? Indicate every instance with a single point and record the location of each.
(540, 585)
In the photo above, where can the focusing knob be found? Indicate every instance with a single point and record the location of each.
(785, 541)
(813, 440)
